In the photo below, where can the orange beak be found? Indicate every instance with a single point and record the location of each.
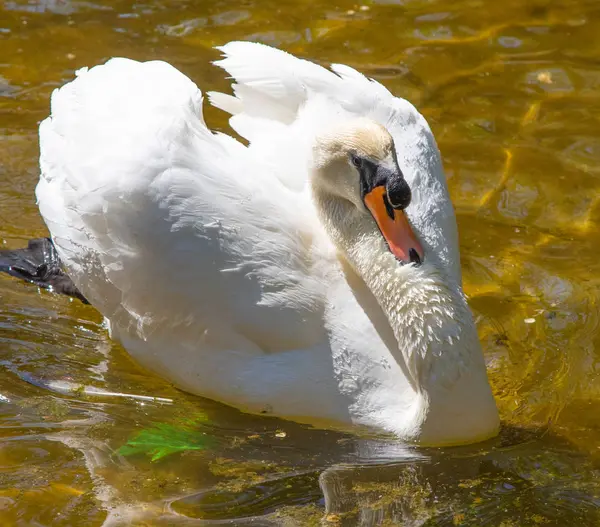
(397, 231)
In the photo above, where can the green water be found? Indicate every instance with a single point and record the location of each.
(512, 92)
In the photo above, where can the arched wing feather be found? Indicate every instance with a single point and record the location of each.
(275, 90)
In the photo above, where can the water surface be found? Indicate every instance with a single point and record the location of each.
(511, 90)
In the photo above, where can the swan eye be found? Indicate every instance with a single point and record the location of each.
(356, 161)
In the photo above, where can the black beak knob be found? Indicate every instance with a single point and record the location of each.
(398, 191)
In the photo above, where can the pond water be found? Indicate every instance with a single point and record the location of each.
(512, 92)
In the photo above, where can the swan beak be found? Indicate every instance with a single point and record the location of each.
(394, 227)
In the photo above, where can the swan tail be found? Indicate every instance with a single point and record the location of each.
(39, 264)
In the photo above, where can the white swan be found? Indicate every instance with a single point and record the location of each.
(274, 277)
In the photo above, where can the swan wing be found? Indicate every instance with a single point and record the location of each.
(163, 224)
(278, 98)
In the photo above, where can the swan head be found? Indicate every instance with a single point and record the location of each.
(356, 175)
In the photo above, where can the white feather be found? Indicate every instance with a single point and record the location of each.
(316, 97)
(207, 256)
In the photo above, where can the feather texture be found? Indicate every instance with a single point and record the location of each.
(275, 86)
(207, 256)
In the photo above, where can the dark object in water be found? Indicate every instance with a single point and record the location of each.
(39, 264)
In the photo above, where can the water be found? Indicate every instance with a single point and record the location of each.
(511, 90)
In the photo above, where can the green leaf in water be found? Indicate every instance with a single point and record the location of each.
(163, 439)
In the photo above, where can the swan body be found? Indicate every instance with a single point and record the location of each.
(256, 275)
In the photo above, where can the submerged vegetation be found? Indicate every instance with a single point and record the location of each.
(163, 439)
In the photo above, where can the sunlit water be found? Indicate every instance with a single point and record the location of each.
(512, 91)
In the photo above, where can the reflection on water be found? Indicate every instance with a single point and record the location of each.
(522, 480)
(511, 90)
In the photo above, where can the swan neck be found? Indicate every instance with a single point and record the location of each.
(432, 323)
(438, 347)
(430, 319)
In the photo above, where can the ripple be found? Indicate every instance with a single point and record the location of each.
(230, 18)
(585, 150)
(6, 89)
(58, 7)
(480, 489)
(436, 33)
(510, 42)
(433, 17)
(183, 28)
(255, 500)
(275, 38)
